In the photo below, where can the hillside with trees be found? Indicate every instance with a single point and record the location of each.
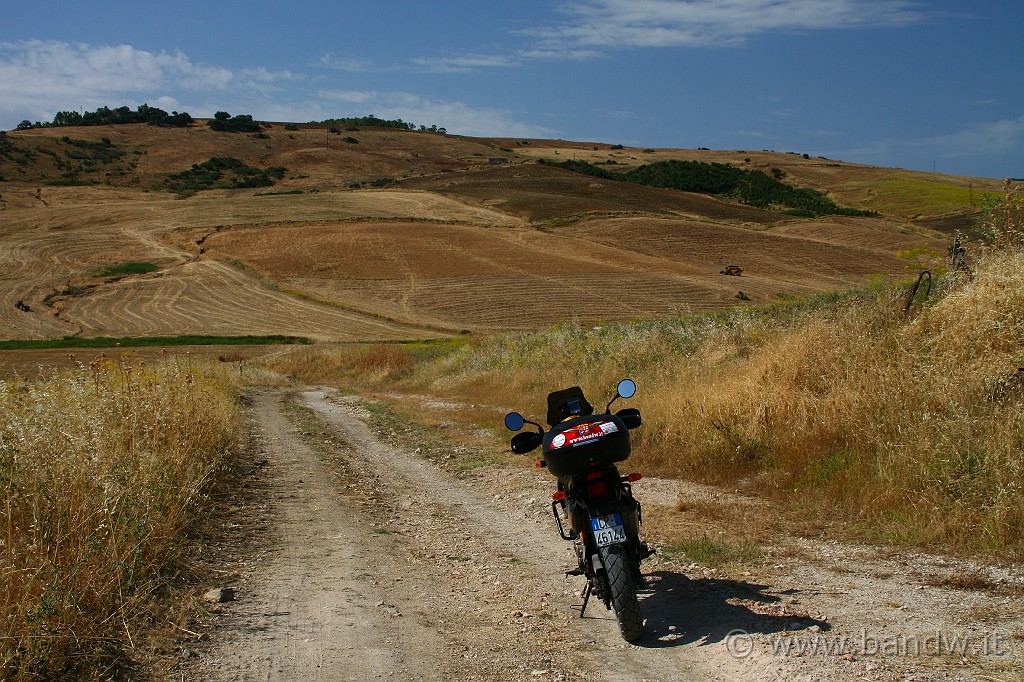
(222, 173)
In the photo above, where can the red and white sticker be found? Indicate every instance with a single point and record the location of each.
(584, 433)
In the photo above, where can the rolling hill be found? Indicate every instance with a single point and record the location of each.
(382, 234)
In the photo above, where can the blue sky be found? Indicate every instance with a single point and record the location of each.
(901, 83)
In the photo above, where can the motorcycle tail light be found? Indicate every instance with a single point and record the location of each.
(597, 489)
(634, 477)
(559, 496)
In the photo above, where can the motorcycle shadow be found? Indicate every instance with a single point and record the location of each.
(680, 610)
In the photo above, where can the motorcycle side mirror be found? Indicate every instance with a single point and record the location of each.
(626, 388)
(525, 442)
(514, 421)
(630, 417)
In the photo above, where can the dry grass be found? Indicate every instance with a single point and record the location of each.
(840, 407)
(359, 365)
(963, 580)
(101, 468)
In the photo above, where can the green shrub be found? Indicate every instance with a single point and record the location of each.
(222, 121)
(222, 173)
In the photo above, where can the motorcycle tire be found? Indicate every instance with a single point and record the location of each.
(622, 591)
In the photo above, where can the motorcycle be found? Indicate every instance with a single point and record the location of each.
(594, 507)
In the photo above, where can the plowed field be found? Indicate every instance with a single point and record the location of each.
(472, 236)
(515, 278)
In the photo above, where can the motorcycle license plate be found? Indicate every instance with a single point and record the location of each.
(608, 530)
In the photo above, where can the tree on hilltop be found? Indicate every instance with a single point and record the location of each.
(144, 113)
(222, 121)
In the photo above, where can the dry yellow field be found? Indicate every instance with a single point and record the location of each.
(472, 236)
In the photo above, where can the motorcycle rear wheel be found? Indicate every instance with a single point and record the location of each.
(622, 591)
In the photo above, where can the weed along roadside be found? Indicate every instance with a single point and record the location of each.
(104, 468)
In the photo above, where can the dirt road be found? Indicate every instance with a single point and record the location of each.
(380, 564)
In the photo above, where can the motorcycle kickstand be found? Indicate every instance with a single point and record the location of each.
(586, 597)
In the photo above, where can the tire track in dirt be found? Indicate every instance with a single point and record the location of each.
(386, 565)
(320, 611)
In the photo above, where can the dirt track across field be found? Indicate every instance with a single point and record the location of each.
(381, 564)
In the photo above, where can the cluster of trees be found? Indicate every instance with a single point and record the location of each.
(751, 187)
(223, 173)
(107, 116)
(243, 123)
(103, 151)
(222, 120)
(375, 122)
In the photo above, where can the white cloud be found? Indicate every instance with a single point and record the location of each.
(348, 96)
(39, 77)
(460, 118)
(982, 137)
(464, 63)
(787, 112)
(623, 115)
(563, 53)
(705, 23)
(986, 141)
(350, 64)
(166, 103)
(594, 28)
(456, 117)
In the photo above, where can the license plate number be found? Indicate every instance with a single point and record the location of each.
(608, 530)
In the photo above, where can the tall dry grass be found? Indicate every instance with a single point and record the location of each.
(376, 364)
(907, 428)
(841, 406)
(101, 468)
